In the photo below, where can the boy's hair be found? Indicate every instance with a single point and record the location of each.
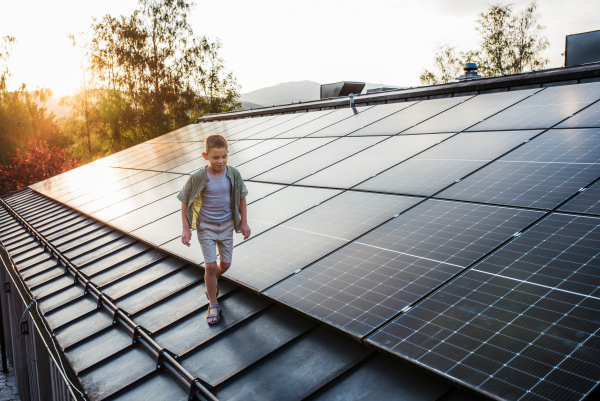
(215, 141)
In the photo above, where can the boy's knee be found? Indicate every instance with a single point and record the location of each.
(211, 268)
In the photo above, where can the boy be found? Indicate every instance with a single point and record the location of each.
(214, 202)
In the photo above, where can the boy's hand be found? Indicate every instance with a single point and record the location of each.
(245, 230)
(186, 236)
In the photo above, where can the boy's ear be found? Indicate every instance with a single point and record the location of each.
(205, 155)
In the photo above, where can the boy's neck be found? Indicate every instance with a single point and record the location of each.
(216, 173)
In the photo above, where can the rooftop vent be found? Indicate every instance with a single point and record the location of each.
(343, 88)
(470, 72)
(582, 48)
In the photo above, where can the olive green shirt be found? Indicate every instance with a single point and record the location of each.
(190, 195)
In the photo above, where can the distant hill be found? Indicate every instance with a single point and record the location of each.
(284, 93)
(250, 105)
(289, 92)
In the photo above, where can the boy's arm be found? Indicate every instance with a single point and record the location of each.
(245, 228)
(186, 236)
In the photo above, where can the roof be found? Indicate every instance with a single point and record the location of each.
(396, 248)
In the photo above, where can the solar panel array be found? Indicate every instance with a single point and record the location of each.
(456, 233)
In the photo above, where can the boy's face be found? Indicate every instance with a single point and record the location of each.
(217, 158)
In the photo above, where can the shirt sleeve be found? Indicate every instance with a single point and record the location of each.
(186, 192)
(244, 189)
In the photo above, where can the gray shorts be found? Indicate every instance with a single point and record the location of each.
(213, 235)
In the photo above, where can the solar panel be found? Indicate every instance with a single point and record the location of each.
(590, 117)
(274, 122)
(258, 148)
(280, 130)
(466, 114)
(102, 175)
(150, 150)
(258, 190)
(262, 215)
(371, 161)
(451, 160)
(364, 284)
(305, 238)
(141, 199)
(63, 182)
(542, 173)
(279, 156)
(320, 123)
(587, 202)
(544, 109)
(192, 148)
(362, 119)
(108, 181)
(318, 159)
(410, 116)
(228, 130)
(148, 214)
(522, 324)
(128, 190)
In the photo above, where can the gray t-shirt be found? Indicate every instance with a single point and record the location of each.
(216, 199)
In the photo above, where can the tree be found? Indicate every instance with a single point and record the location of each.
(5, 49)
(447, 62)
(40, 163)
(156, 75)
(510, 43)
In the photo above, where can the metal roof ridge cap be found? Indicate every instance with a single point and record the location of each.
(519, 79)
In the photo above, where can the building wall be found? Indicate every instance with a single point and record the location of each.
(37, 376)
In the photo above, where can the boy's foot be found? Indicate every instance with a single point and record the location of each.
(213, 315)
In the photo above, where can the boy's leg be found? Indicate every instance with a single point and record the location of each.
(225, 245)
(207, 236)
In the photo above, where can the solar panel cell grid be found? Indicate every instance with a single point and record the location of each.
(362, 119)
(141, 199)
(471, 112)
(544, 109)
(522, 324)
(192, 148)
(371, 161)
(230, 128)
(440, 166)
(273, 122)
(410, 116)
(279, 156)
(590, 117)
(311, 235)
(367, 282)
(587, 202)
(318, 159)
(128, 190)
(281, 130)
(318, 124)
(542, 173)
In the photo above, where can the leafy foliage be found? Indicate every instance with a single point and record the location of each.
(39, 163)
(510, 43)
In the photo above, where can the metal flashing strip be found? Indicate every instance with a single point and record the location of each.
(119, 316)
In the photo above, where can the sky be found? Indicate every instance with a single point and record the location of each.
(266, 42)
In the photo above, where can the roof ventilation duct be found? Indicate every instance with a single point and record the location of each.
(582, 48)
(470, 72)
(339, 89)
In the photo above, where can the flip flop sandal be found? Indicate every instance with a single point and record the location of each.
(206, 292)
(213, 315)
